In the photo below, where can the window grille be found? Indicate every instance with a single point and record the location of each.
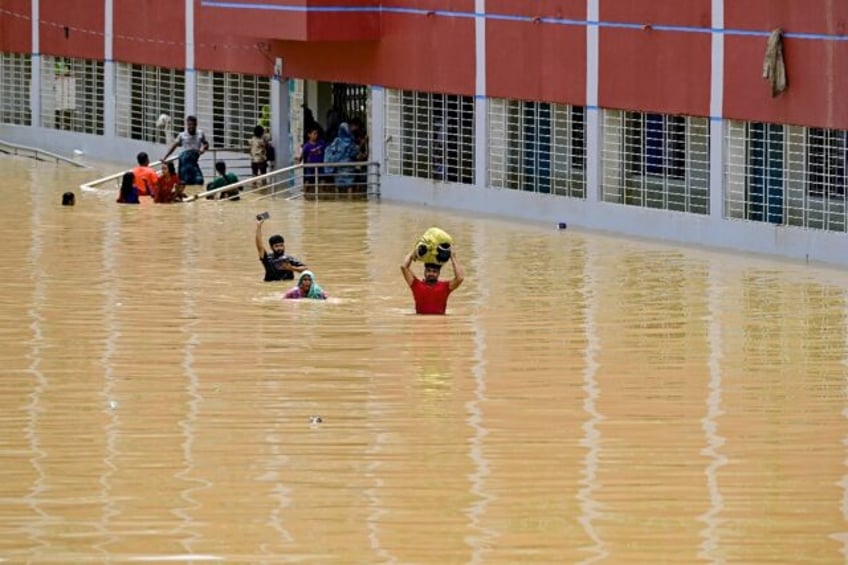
(15, 79)
(144, 94)
(786, 175)
(72, 94)
(656, 161)
(230, 105)
(537, 147)
(431, 135)
(351, 100)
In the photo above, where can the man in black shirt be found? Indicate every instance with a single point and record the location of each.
(278, 265)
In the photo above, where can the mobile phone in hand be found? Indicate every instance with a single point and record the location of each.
(262, 216)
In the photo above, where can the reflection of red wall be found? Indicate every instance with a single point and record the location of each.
(816, 68)
(536, 61)
(84, 21)
(417, 52)
(16, 30)
(150, 32)
(647, 69)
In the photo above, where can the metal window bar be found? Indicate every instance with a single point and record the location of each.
(537, 147)
(431, 135)
(15, 79)
(72, 94)
(656, 161)
(230, 105)
(786, 175)
(351, 100)
(150, 102)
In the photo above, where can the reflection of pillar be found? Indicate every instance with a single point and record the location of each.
(35, 69)
(589, 507)
(111, 235)
(39, 384)
(710, 550)
(484, 537)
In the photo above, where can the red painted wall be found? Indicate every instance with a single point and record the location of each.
(150, 32)
(233, 54)
(16, 26)
(271, 24)
(817, 69)
(536, 61)
(417, 52)
(648, 69)
(84, 21)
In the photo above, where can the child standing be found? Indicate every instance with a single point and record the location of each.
(259, 145)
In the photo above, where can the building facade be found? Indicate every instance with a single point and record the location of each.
(642, 117)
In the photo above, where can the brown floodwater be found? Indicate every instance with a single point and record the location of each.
(587, 399)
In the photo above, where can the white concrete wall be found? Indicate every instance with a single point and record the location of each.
(691, 229)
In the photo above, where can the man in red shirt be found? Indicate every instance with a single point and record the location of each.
(431, 294)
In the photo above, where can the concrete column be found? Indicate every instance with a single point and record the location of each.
(378, 134)
(190, 71)
(594, 140)
(481, 105)
(109, 100)
(35, 69)
(280, 131)
(717, 125)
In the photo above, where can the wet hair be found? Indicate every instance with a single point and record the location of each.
(258, 131)
(142, 158)
(127, 187)
(221, 167)
(435, 266)
(68, 199)
(274, 239)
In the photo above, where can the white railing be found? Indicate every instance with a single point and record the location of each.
(295, 181)
(37, 154)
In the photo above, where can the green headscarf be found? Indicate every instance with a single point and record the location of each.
(315, 291)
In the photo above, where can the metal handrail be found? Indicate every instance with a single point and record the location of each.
(245, 182)
(17, 149)
(90, 185)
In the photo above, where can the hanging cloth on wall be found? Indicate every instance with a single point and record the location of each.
(774, 69)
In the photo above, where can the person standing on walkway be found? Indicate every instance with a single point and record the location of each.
(194, 144)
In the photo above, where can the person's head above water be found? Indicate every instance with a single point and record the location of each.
(278, 244)
(304, 282)
(68, 199)
(431, 272)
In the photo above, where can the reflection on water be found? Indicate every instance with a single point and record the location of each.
(587, 399)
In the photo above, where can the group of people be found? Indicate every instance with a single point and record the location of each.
(342, 142)
(430, 293)
(169, 185)
(142, 180)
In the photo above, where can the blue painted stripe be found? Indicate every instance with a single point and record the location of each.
(517, 18)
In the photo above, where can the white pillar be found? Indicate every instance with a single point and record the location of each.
(109, 100)
(35, 69)
(377, 135)
(594, 141)
(717, 125)
(280, 130)
(481, 103)
(190, 71)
